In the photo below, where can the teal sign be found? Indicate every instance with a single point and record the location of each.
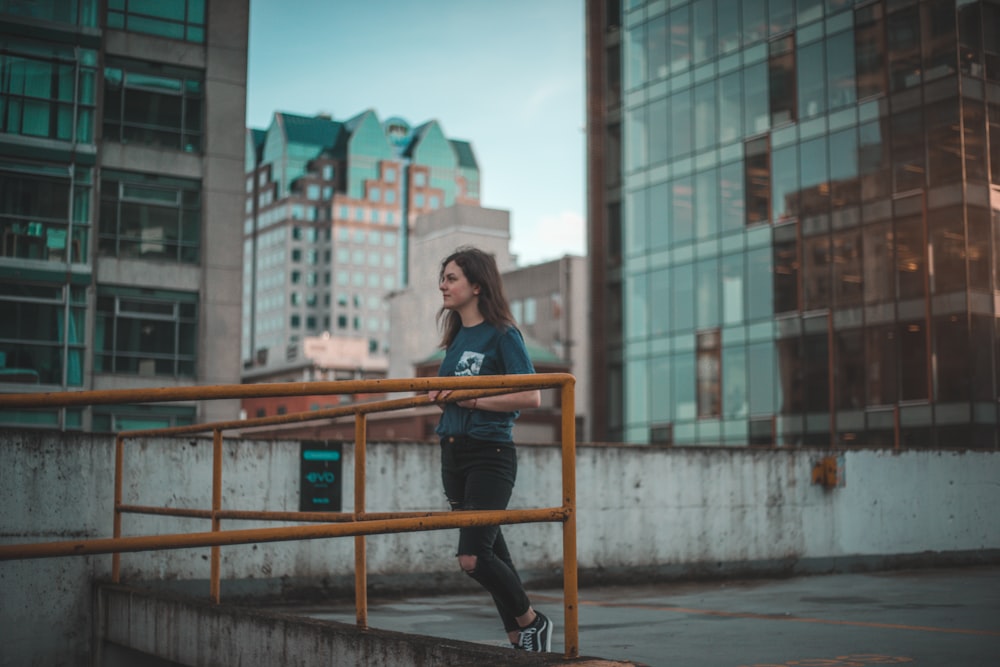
(320, 477)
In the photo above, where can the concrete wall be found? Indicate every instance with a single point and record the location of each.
(643, 511)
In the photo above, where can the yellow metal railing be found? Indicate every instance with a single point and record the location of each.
(358, 523)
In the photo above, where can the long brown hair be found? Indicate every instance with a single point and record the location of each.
(480, 269)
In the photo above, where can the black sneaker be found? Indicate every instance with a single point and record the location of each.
(537, 637)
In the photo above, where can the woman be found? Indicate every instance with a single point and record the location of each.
(478, 459)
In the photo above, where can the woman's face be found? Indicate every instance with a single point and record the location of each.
(456, 290)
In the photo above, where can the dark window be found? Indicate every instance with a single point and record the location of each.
(781, 81)
(978, 221)
(903, 28)
(709, 374)
(873, 160)
(184, 19)
(947, 237)
(913, 360)
(908, 151)
(791, 373)
(974, 135)
(879, 265)
(951, 349)
(151, 217)
(47, 91)
(911, 258)
(145, 332)
(758, 181)
(786, 269)
(940, 42)
(846, 257)
(153, 105)
(944, 142)
(849, 370)
(43, 215)
(816, 369)
(816, 291)
(982, 362)
(34, 330)
(870, 48)
(881, 364)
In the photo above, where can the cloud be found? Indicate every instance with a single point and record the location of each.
(548, 237)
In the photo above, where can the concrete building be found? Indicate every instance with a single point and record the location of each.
(121, 169)
(794, 213)
(330, 206)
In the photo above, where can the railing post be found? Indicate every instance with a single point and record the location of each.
(116, 557)
(570, 594)
(215, 585)
(360, 546)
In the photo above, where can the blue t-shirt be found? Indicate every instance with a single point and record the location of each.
(483, 350)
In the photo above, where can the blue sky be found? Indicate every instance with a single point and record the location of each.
(505, 75)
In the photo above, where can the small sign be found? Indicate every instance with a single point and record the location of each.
(320, 477)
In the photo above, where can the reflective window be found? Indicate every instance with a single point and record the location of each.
(947, 239)
(636, 227)
(978, 220)
(658, 140)
(940, 41)
(903, 28)
(685, 403)
(181, 19)
(735, 399)
(657, 48)
(754, 21)
(47, 91)
(814, 177)
(757, 114)
(75, 12)
(707, 285)
(786, 269)
(879, 263)
(760, 367)
(870, 48)
(683, 210)
(849, 370)
(707, 204)
(703, 20)
(635, 57)
(781, 81)
(785, 183)
(846, 257)
(731, 196)
(659, 297)
(760, 285)
(680, 39)
(881, 366)
(845, 189)
(682, 280)
(729, 25)
(781, 15)
(908, 150)
(913, 354)
(637, 143)
(730, 105)
(151, 217)
(681, 126)
(811, 82)
(706, 125)
(816, 292)
(38, 343)
(974, 136)
(944, 141)
(145, 332)
(659, 215)
(159, 106)
(873, 160)
(841, 84)
(636, 306)
(911, 258)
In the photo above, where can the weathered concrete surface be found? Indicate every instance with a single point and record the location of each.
(191, 632)
(644, 513)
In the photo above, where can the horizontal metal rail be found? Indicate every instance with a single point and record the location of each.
(325, 525)
(367, 526)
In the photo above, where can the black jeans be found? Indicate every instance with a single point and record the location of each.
(479, 475)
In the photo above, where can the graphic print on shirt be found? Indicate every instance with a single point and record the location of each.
(470, 363)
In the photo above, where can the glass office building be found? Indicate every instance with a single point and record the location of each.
(795, 221)
(121, 180)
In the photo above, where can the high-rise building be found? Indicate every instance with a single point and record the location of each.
(795, 221)
(329, 209)
(121, 169)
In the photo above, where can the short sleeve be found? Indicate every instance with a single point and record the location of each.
(514, 353)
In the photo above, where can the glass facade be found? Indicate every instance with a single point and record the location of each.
(809, 218)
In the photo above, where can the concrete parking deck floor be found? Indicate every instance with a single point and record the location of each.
(933, 617)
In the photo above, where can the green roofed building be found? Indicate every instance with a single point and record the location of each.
(330, 206)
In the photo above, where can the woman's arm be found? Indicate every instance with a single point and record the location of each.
(522, 400)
